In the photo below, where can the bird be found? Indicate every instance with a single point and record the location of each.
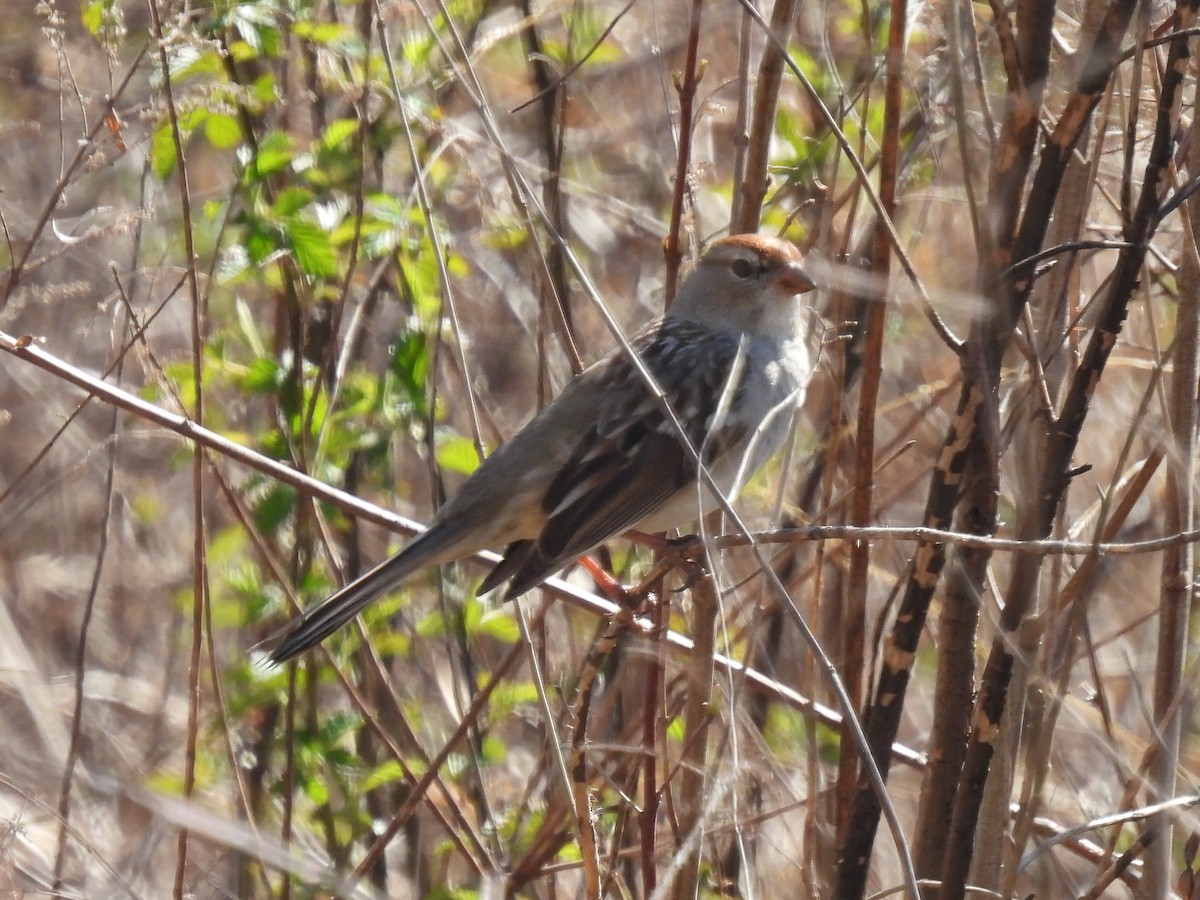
(732, 359)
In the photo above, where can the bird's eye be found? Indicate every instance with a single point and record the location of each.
(742, 268)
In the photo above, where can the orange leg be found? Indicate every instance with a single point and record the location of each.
(673, 550)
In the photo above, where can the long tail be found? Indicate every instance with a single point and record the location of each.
(317, 624)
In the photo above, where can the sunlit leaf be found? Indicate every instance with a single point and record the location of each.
(291, 200)
(387, 773)
(222, 131)
(498, 624)
(339, 131)
(162, 151)
(92, 16)
(333, 35)
(275, 151)
(457, 454)
(249, 328)
(314, 251)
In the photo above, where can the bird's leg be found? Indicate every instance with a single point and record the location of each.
(632, 599)
(685, 552)
(608, 586)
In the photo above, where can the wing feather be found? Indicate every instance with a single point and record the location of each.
(631, 461)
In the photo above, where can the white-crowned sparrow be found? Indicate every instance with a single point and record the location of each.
(732, 358)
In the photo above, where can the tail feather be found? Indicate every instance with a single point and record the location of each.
(433, 547)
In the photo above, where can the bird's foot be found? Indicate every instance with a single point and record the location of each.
(685, 553)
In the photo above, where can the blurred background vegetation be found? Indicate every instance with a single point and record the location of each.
(368, 239)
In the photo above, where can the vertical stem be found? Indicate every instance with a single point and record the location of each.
(606, 640)
(855, 612)
(1060, 440)
(687, 97)
(200, 565)
(651, 715)
(693, 779)
(749, 192)
(1178, 563)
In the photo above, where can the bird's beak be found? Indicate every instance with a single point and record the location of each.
(794, 279)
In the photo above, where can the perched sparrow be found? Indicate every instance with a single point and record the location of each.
(732, 359)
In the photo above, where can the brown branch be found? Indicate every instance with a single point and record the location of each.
(855, 598)
(752, 188)
(550, 125)
(1019, 130)
(975, 425)
(651, 733)
(1098, 64)
(692, 798)
(955, 680)
(900, 649)
(200, 536)
(686, 88)
(606, 640)
(1179, 501)
(1059, 445)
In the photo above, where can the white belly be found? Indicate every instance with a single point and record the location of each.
(772, 393)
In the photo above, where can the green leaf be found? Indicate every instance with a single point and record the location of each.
(273, 509)
(410, 363)
(509, 696)
(472, 614)
(316, 791)
(291, 200)
(432, 625)
(275, 151)
(333, 35)
(391, 643)
(264, 89)
(386, 773)
(498, 624)
(338, 132)
(380, 243)
(385, 207)
(255, 26)
(337, 726)
(675, 729)
(506, 236)
(494, 750)
(222, 131)
(165, 782)
(260, 244)
(457, 454)
(92, 16)
(162, 151)
(262, 377)
(314, 251)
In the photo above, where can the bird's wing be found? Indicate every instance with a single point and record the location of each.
(631, 461)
